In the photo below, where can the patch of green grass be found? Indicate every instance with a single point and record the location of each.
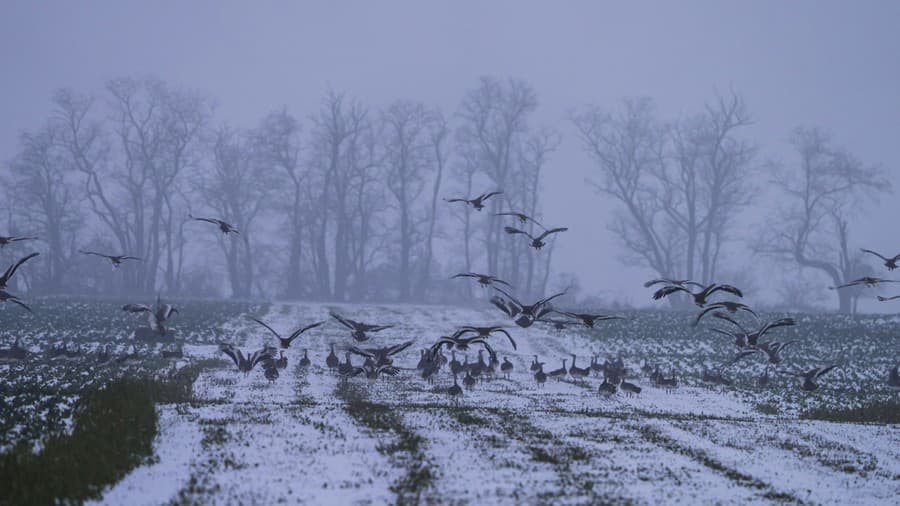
(887, 411)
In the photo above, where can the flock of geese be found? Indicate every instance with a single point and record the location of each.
(750, 334)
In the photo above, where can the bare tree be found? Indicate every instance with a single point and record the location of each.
(812, 227)
(438, 132)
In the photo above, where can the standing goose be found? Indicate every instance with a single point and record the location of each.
(578, 372)
(225, 228)
(890, 263)
(358, 329)
(332, 360)
(103, 355)
(477, 203)
(630, 389)
(763, 380)
(506, 367)
(455, 391)
(809, 378)
(455, 366)
(304, 362)
(539, 375)
(536, 242)
(559, 373)
(534, 364)
(469, 380)
(285, 342)
(346, 368)
(607, 388)
(114, 260)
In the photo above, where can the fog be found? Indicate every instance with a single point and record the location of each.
(831, 66)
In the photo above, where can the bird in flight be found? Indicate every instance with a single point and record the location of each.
(115, 260)
(224, 227)
(484, 280)
(699, 297)
(285, 342)
(358, 329)
(865, 281)
(7, 276)
(157, 316)
(478, 202)
(890, 263)
(522, 217)
(536, 242)
(6, 240)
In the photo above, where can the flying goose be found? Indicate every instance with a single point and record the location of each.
(809, 378)
(381, 356)
(8, 297)
(115, 260)
(522, 217)
(672, 282)
(245, 364)
(529, 312)
(478, 202)
(485, 332)
(773, 350)
(157, 316)
(890, 263)
(484, 280)
(730, 306)
(700, 298)
(868, 281)
(460, 343)
(536, 242)
(358, 329)
(590, 319)
(8, 274)
(882, 299)
(747, 339)
(225, 228)
(285, 342)
(6, 240)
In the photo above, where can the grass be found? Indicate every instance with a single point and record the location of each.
(887, 411)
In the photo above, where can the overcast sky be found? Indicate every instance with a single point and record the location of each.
(831, 64)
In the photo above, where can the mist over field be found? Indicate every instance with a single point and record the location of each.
(506, 252)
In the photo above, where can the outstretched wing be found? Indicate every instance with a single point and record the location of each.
(821, 371)
(486, 196)
(514, 230)
(127, 257)
(783, 322)
(397, 348)
(270, 329)
(511, 340)
(725, 316)
(344, 321)
(552, 231)
(94, 253)
(500, 303)
(361, 352)
(548, 299)
(456, 200)
(882, 299)
(873, 253)
(510, 297)
(669, 290)
(15, 300)
(465, 275)
(12, 269)
(297, 332)
(233, 354)
(136, 308)
(725, 288)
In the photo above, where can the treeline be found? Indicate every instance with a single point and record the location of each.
(343, 204)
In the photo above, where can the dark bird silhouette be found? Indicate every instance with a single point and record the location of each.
(744, 338)
(590, 319)
(455, 391)
(380, 356)
(868, 281)
(527, 313)
(285, 342)
(890, 263)
(700, 298)
(894, 378)
(304, 361)
(478, 202)
(8, 297)
(372, 373)
(358, 329)
(522, 217)
(607, 388)
(536, 242)
(809, 378)
(773, 350)
(484, 280)
(157, 316)
(730, 306)
(559, 373)
(332, 361)
(11, 270)
(115, 260)
(224, 227)
(672, 282)
(539, 375)
(485, 332)
(245, 364)
(883, 299)
(6, 240)
(459, 343)
(506, 367)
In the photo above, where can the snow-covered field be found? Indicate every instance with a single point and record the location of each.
(309, 438)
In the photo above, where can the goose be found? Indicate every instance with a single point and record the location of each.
(890, 263)
(469, 381)
(607, 388)
(58, 351)
(103, 355)
(381, 356)
(763, 380)
(8, 297)
(747, 339)
(485, 332)
(485, 280)
(534, 364)
(345, 368)
(477, 203)
(522, 217)
(700, 298)
(157, 316)
(245, 364)
(304, 362)
(225, 228)
(455, 366)
(285, 342)
(115, 260)
(15, 352)
(894, 378)
(460, 343)
(270, 370)
(529, 313)
(177, 353)
(868, 281)
(578, 372)
(455, 391)
(559, 373)
(590, 319)
(668, 384)
(282, 361)
(730, 306)
(332, 360)
(630, 389)
(73, 353)
(596, 366)
(536, 242)
(129, 358)
(672, 282)
(359, 329)
(11, 270)
(809, 377)
(773, 350)
(430, 369)
(507, 307)
(715, 377)
(491, 369)
(372, 373)
(481, 367)
(506, 367)
(6, 240)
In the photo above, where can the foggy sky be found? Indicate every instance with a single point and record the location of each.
(834, 65)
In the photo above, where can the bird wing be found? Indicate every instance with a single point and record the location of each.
(510, 297)
(361, 352)
(94, 253)
(882, 299)
(669, 290)
(297, 332)
(514, 230)
(13, 268)
(821, 371)
(15, 300)
(466, 275)
(375, 328)
(548, 299)
(552, 231)
(500, 281)
(136, 308)
(233, 354)
(456, 200)
(270, 329)
(387, 369)
(711, 307)
(511, 340)
(208, 220)
(344, 321)
(500, 303)
(725, 316)
(874, 253)
(489, 195)
(127, 257)
(725, 288)
(741, 355)
(723, 332)
(783, 322)
(397, 348)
